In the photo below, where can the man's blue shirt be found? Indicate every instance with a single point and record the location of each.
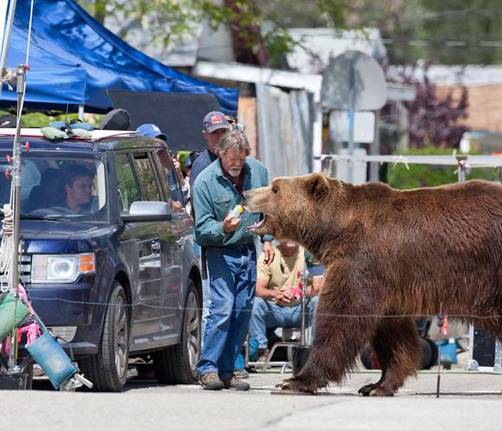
(214, 196)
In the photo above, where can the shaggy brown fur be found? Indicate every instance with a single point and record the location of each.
(388, 253)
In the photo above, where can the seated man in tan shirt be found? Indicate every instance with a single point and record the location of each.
(277, 302)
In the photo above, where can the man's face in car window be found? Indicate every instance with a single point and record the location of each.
(79, 193)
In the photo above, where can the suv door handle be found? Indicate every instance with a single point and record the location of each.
(155, 245)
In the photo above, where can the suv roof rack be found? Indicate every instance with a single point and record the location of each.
(96, 135)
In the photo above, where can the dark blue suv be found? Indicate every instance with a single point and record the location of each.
(108, 255)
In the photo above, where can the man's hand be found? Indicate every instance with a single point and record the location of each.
(269, 252)
(176, 162)
(231, 223)
(284, 296)
(177, 167)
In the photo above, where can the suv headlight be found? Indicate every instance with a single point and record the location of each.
(57, 268)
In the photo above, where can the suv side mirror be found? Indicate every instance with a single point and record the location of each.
(148, 211)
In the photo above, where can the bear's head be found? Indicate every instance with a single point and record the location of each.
(293, 206)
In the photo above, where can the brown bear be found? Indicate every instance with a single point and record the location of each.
(390, 256)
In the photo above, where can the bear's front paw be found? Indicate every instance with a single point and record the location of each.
(295, 385)
(373, 390)
(366, 390)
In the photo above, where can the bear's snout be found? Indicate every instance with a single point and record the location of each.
(256, 200)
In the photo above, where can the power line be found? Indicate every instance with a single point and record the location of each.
(460, 12)
(447, 43)
(453, 43)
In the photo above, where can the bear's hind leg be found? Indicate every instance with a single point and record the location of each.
(397, 346)
(339, 336)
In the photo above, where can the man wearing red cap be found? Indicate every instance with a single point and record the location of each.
(214, 126)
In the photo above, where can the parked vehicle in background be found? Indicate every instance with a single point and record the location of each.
(108, 252)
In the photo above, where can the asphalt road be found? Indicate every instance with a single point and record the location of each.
(469, 401)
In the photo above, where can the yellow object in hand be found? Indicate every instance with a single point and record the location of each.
(237, 211)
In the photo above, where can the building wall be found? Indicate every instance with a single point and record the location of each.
(485, 106)
(247, 116)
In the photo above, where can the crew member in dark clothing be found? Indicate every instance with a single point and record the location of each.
(214, 126)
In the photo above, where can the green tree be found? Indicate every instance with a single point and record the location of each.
(396, 19)
(305, 13)
(446, 31)
(172, 20)
(398, 22)
(460, 32)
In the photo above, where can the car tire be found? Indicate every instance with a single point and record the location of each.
(177, 364)
(108, 369)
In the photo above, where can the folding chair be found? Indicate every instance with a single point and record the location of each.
(304, 338)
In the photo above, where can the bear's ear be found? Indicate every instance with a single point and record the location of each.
(317, 185)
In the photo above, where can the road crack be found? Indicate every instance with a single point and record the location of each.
(272, 423)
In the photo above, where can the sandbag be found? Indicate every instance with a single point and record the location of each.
(12, 312)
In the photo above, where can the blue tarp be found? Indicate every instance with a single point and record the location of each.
(74, 60)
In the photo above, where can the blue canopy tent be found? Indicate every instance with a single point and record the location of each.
(74, 60)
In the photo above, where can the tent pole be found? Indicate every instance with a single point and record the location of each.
(15, 203)
(81, 112)
(16, 181)
(4, 8)
(5, 45)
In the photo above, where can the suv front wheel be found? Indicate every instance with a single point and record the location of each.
(177, 364)
(108, 369)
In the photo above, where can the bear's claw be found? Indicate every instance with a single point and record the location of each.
(373, 390)
(295, 385)
(366, 390)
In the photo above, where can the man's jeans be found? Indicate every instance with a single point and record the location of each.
(232, 282)
(268, 315)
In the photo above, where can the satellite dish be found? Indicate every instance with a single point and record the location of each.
(353, 81)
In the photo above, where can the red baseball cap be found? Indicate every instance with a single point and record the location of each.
(215, 120)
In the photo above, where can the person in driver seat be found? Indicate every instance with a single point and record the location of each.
(78, 189)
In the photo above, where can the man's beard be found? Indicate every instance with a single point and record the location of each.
(234, 173)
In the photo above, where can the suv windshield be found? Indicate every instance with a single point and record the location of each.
(60, 187)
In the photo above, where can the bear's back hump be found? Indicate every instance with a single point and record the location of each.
(455, 195)
(470, 199)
